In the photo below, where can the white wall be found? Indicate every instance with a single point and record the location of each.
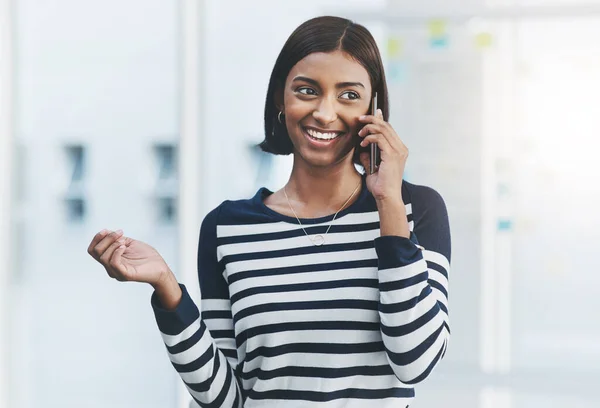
(6, 146)
(104, 74)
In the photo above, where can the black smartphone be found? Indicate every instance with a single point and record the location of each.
(375, 153)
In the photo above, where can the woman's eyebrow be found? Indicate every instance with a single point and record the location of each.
(338, 85)
(348, 84)
(306, 79)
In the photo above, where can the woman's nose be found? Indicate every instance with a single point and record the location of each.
(325, 113)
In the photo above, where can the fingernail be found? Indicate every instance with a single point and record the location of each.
(362, 117)
(103, 232)
(119, 231)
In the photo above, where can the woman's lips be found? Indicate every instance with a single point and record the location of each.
(321, 142)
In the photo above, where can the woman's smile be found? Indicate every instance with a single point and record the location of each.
(320, 137)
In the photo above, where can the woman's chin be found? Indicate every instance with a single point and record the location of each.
(325, 160)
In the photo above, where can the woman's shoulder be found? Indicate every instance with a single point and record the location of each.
(422, 197)
(240, 211)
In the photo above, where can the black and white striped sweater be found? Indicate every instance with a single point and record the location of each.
(353, 323)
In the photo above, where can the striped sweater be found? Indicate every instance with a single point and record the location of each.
(353, 323)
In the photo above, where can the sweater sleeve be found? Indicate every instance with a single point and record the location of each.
(413, 284)
(201, 348)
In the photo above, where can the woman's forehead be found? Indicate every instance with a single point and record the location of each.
(336, 66)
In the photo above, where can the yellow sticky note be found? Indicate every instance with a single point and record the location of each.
(394, 47)
(437, 28)
(484, 40)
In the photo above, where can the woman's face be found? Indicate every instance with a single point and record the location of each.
(324, 95)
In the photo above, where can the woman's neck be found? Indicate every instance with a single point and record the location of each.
(316, 192)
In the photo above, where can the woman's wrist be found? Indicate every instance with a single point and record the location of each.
(392, 218)
(168, 291)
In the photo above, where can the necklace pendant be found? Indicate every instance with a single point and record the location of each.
(318, 240)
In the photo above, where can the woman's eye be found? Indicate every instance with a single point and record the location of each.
(350, 95)
(306, 91)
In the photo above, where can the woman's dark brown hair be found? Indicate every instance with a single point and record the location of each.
(321, 34)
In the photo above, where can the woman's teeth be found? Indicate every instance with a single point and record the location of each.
(322, 136)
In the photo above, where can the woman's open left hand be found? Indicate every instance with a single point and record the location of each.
(386, 182)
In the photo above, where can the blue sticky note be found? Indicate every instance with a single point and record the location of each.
(439, 42)
(504, 225)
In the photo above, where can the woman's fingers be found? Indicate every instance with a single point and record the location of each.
(100, 247)
(376, 124)
(376, 119)
(116, 263)
(370, 128)
(106, 256)
(380, 140)
(97, 238)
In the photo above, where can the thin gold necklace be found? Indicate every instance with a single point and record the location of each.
(319, 239)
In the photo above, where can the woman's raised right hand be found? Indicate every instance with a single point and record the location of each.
(126, 259)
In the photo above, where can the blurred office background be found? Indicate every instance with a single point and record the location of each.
(142, 115)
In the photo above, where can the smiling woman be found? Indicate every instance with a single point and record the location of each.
(326, 51)
(330, 291)
(323, 97)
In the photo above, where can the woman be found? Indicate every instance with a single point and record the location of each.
(331, 291)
